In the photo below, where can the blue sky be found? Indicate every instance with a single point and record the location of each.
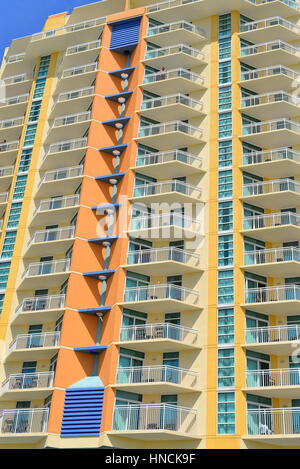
(20, 18)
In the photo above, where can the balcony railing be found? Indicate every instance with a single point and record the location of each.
(170, 156)
(272, 378)
(270, 47)
(269, 22)
(174, 73)
(47, 268)
(271, 220)
(67, 145)
(40, 340)
(271, 126)
(15, 122)
(54, 234)
(41, 303)
(83, 47)
(69, 29)
(162, 292)
(268, 256)
(3, 197)
(267, 72)
(266, 156)
(168, 127)
(170, 100)
(156, 374)
(285, 421)
(22, 98)
(268, 187)
(10, 146)
(176, 49)
(16, 421)
(158, 331)
(175, 26)
(61, 173)
(270, 98)
(18, 78)
(165, 187)
(75, 94)
(273, 294)
(145, 256)
(265, 335)
(79, 70)
(165, 220)
(6, 171)
(67, 201)
(15, 58)
(155, 417)
(71, 119)
(28, 381)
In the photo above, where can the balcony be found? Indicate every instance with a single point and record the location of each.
(273, 105)
(168, 34)
(274, 426)
(14, 105)
(58, 209)
(81, 53)
(55, 240)
(67, 152)
(270, 29)
(269, 79)
(164, 337)
(27, 386)
(38, 275)
(162, 379)
(39, 309)
(23, 425)
(170, 57)
(72, 101)
(155, 422)
(8, 152)
(34, 346)
(166, 226)
(172, 81)
(278, 194)
(19, 84)
(278, 133)
(174, 163)
(60, 180)
(164, 108)
(170, 135)
(81, 76)
(11, 129)
(3, 202)
(271, 53)
(278, 262)
(273, 340)
(280, 383)
(170, 260)
(273, 300)
(275, 163)
(166, 192)
(162, 298)
(6, 174)
(69, 126)
(276, 227)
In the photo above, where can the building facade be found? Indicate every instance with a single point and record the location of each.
(150, 227)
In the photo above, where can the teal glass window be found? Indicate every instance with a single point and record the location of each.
(30, 135)
(226, 413)
(225, 184)
(14, 215)
(225, 216)
(224, 25)
(25, 160)
(226, 368)
(225, 287)
(225, 250)
(225, 125)
(225, 325)
(225, 48)
(9, 244)
(225, 97)
(4, 272)
(225, 72)
(20, 187)
(225, 153)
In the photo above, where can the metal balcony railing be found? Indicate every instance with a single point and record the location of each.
(67, 201)
(145, 256)
(169, 127)
(14, 122)
(155, 188)
(268, 22)
(18, 78)
(158, 331)
(167, 4)
(83, 47)
(269, 256)
(175, 26)
(271, 220)
(15, 58)
(95, 22)
(267, 72)
(28, 381)
(40, 340)
(61, 173)
(3, 197)
(54, 234)
(10, 101)
(269, 47)
(75, 94)
(16, 421)
(46, 268)
(10, 146)
(273, 294)
(71, 119)
(6, 171)
(156, 374)
(168, 156)
(155, 417)
(290, 3)
(41, 303)
(264, 335)
(271, 126)
(67, 145)
(269, 98)
(174, 73)
(285, 421)
(255, 157)
(268, 187)
(272, 378)
(176, 49)
(164, 220)
(79, 70)
(162, 292)
(171, 99)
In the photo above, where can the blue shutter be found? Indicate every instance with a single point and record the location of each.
(125, 35)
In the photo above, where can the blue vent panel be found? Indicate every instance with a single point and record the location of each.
(82, 412)
(125, 35)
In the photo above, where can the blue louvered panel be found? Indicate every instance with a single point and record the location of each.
(125, 35)
(82, 412)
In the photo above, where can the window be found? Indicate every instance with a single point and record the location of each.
(226, 413)
(225, 287)
(225, 367)
(225, 25)
(225, 325)
(20, 187)
(225, 74)
(225, 250)
(9, 244)
(30, 135)
(4, 272)
(225, 125)
(225, 153)
(224, 48)
(225, 216)
(225, 97)
(225, 184)
(14, 215)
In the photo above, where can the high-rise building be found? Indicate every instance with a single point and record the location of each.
(150, 227)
